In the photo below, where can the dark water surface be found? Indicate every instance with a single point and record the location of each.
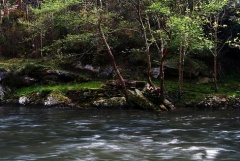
(112, 135)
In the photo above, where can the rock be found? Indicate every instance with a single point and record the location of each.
(137, 98)
(56, 98)
(1, 92)
(33, 74)
(27, 81)
(204, 80)
(89, 67)
(2, 75)
(106, 72)
(163, 108)
(218, 101)
(132, 84)
(111, 102)
(192, 68)
(168, 104)
(62, 75)
(23, 100)
(155, 72)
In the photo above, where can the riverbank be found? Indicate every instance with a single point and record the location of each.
(39, 82)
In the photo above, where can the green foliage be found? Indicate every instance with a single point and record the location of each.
(161, 7)
(213, 7)
(189, 33)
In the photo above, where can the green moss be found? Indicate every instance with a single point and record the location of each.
(18, 63)
(63, 88)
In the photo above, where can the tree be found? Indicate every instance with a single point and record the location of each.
(212, 14)
(100, 14)
(161, 14)
(142, 14)
(188, 34)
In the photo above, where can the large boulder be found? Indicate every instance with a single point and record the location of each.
(192, 68)
(136, 98)
(33, 74)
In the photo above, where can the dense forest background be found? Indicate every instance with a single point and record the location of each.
(187, 38)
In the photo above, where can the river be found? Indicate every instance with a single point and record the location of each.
(118, 135)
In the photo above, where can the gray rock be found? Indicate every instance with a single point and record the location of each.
(106, 72)
(56, 98)
(204, 80)
(191, 68)
(155, 72)
(28, 81)
(23, 100)
(89, 67)
(1, 92)
(2, 75)
(111, 102)
(137, 98)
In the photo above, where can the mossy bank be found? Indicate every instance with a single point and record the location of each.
(34, 83)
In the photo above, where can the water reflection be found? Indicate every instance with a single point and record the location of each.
(66, 134)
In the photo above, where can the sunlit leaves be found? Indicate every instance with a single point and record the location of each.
(160, 7)
(213, 6)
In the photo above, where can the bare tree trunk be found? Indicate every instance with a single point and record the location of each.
(163, 53)
(147, 46)
(0, 17)
(110, 55)
(215, 59)
(215, 74)
(41, 43)
(162, 78)
(180, 72)
(19, 3)
(0, 29)
(27, 11)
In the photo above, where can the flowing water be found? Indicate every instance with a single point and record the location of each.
(113, 135)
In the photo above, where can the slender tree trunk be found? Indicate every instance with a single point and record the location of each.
(19, 2)
(0, 17)
(180, 72)
(164, 52)
(27, 11)
(41, 44)
(215, 74)
(215, 60)
(147, 46)
(110, 55)
(162, 79)
(1, 29)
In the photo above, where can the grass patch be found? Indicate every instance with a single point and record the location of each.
(193, 92)
(62, 88)
(20, 62)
